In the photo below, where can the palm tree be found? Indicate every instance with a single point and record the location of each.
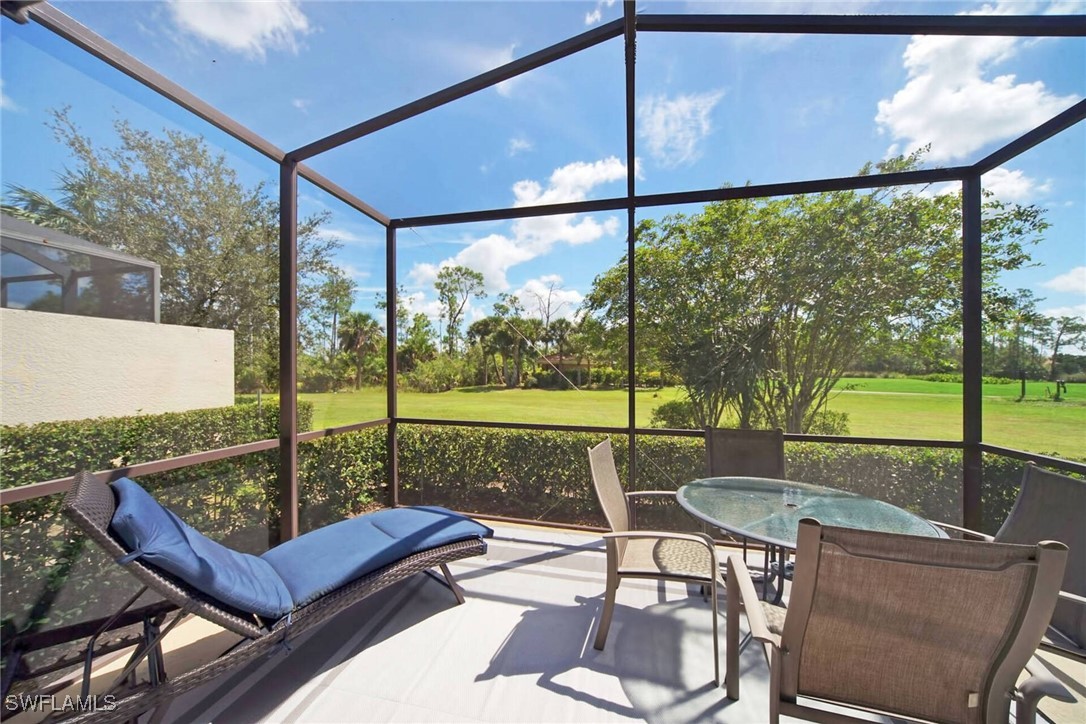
(558, 334)
(359, 334)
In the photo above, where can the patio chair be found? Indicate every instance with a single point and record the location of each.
(927, 629)
(1051, 506)
(662, 555)
(747, 453)
(267, 599)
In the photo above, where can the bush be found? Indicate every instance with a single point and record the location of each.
(441, 374)
(52, 575)
(829, 422)
(49, 450)
(675, 415)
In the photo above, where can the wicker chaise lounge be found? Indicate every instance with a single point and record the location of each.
(295, 586)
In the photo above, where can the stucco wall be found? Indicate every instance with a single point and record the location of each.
(66, 367)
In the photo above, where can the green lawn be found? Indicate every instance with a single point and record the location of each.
(876, 408)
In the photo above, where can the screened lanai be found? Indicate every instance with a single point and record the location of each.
(315, 437)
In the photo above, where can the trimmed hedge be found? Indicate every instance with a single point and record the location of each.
(49, 450)
(53, 576)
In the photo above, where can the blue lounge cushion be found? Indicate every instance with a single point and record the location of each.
(157, 536)
(327, 558)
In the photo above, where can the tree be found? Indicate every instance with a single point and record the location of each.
(774, 299)
(557, 335)
(545, 302)
(417, 345)
(481, 333)
(335, 296)
(456, 285)
(170, 199)
(361, 336)
(403, 315)
(1066, 332)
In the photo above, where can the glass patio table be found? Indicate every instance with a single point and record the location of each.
(769, 511)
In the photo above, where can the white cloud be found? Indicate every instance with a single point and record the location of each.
(6, 103)
(248, 27)
(346, 236)
(596, 15)
(675, 127)
(953, 101)
(493, 255)
(1072, 282)
(519, 144)
(301, 104)
(1075, 310)
(1012, 185)
(357, 274)
(472, 59)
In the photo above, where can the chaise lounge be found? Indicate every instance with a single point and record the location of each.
(266, 599)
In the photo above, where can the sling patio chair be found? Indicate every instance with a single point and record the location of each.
(924, 629)
(267, 599)
(747, 453)
(660, 555)
(1051, 506)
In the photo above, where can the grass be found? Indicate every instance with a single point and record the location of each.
(876, 408)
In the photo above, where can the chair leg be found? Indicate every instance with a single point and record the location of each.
(608, 609)
(775, 686)
(716, 639)
(731, 644)
(453, 585)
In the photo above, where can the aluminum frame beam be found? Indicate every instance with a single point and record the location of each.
(480, 82)
(845, 183)
(1048, 129)
(1012, 25)
(83, 37)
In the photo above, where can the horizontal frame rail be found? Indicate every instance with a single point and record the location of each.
(1043, 460)
(1048, 129)
(353, 427)
(1007, 25)
(845, 183)
(61, 485)
(515, 425)
(68, 28)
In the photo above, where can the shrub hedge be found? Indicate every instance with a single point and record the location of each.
(53, 576)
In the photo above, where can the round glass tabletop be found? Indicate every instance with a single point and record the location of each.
(770, 510)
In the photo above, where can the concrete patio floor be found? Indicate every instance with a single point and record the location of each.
(519, 650)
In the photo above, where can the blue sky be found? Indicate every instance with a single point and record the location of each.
(713, 109)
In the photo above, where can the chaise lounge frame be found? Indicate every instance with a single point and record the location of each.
(90, 505)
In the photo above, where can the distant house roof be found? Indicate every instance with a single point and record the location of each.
(567, 362)
(46, 270)
(20, 230)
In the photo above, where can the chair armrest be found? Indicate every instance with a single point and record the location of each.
(741, 585)
(693, 537)
(964, 531)
(1072, 597)
(651, 493)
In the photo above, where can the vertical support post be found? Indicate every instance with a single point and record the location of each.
(288, 350)
(391, 412)
(972, 352)
(156, 293)
(629, 16)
